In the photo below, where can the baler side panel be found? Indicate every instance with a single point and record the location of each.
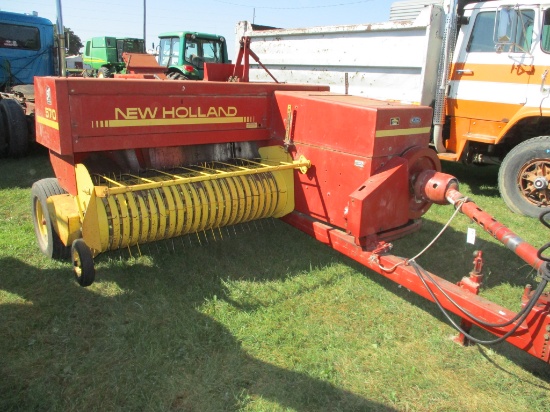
(165, 121)
(52, 114)
(63, 167)
(400, 127)
(323, 192)
(127, 114)
(355, 125)
(54, 128)
(348, 140)
(88, 121)
(328, 121)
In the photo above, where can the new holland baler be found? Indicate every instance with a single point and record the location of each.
(137, 161)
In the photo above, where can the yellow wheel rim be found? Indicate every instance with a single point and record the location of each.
(42, 225)
(77, 263)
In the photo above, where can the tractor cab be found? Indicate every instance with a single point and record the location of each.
(184, 53)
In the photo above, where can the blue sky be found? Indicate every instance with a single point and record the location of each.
(124, 18)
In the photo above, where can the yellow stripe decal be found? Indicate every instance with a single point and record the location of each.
(168, 122)
(93, 60)
(402, 132)
(47, 122)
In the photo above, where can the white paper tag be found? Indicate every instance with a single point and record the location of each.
(471, 236)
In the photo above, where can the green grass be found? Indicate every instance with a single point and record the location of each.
(266, 320)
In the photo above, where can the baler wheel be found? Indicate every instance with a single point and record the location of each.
(83, 263)
(15, 127)
(48, 240)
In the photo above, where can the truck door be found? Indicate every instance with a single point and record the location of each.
(489, 81)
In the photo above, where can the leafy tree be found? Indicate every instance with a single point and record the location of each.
(74, 45)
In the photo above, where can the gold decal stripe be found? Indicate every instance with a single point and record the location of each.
(47, 122)
(172, 122)
(402, 132)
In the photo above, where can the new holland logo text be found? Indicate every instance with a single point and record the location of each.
(173, 115)
(181, 112)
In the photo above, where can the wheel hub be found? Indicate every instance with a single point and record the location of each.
(540, 183)
(533, 181)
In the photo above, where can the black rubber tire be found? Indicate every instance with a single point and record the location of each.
(87, 73)
(15, 126)
(48, 240)
(516, 174)
(83, 263)
(104, 73)
(176, 76)
(3, 137)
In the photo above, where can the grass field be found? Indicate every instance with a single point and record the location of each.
(265, 320)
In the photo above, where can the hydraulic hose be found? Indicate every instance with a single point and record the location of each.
(519, 317)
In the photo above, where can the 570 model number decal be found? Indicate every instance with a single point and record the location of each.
(49, 118)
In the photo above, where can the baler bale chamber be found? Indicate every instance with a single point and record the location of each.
(137, 161)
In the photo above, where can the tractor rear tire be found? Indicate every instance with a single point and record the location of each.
(104, 73)
(48, 240)
(15, 127)
(524, 177)
(176, 76)
(83, 263)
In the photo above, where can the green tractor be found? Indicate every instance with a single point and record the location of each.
(103, 55)
(184, 53)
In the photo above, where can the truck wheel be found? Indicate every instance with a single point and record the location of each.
(524, 177)
(83, 263)
(48, 240)
(3, 137)
(104, 73)
(15, 126)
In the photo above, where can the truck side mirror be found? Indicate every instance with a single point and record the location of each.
(506, 23)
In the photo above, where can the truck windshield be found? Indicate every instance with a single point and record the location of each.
(19, 37)
(198, 51)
